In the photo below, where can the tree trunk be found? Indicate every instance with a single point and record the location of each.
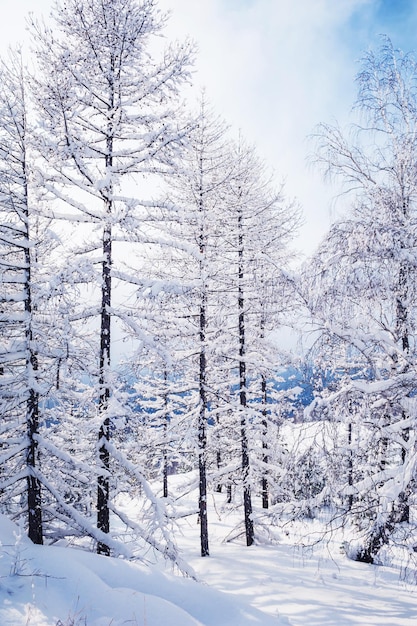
(103, 486)
(34, 500)
(103, 491)
(164, 451)
(202, 418)
(247, 499)
(35, 530)
(402, 329)
(350, 466)
(202, 437)
(378, 537)
(265, 457)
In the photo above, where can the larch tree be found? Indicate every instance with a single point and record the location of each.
(32, 317)
(19, 354)
(362, 288)
(109, 118)
(257, 226)
(194, 206)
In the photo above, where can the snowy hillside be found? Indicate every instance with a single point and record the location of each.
(48, 586)
(264, 585)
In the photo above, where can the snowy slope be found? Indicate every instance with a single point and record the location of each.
(314, 585)
(264, 585)
(44, 586)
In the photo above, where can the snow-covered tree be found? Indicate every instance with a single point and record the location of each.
(37, 347)
(257, 225)
(228, 253)
(192, 212)
(109, 119)
(362, 289)
(33, 309)
(19, 354)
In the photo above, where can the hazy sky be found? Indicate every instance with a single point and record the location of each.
(274, 69)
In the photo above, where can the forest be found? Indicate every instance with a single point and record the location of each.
(147, 262)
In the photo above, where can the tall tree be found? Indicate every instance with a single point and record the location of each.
(195, 197)
(19, 355)
(365, 274)
(258, 225)
(33, 312)
(109, 114)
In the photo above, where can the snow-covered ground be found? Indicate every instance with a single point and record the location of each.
(264, 585)
(314, 585)
(45, 586)
(311, 587)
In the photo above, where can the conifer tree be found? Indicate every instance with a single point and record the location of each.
(193, 210)
(362, 289)
(31, 325)
(109, 115)
(258, 225)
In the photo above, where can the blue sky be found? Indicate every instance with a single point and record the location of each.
(274, 69)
